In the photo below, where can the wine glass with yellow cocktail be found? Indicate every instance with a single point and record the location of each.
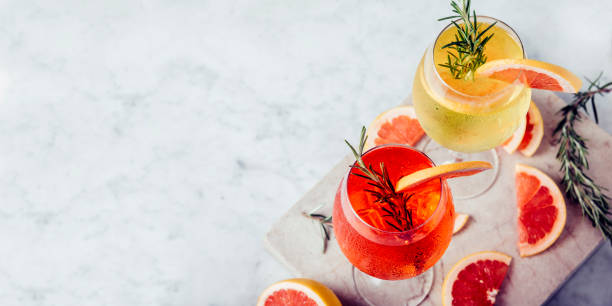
(466, 114)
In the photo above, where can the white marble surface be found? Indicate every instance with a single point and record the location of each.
(147, 146)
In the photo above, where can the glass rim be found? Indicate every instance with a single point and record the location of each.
(507, 28)
(443, 190)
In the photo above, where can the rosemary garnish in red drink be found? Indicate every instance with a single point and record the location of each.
(396, 215)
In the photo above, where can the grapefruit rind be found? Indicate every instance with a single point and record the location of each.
(515, 140)
(568, 81)
(318, 292)
(525, 249)
(460, 221)
(451, 277)
(535, 118)
(443, 171)
(372, 131)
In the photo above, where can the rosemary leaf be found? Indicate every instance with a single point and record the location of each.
(469, 43)
(325, 223)
(382, 189)
(573, 155)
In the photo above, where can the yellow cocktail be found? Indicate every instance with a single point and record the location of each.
(468, 115)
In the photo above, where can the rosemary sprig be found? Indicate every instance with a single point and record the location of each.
(325, 222)
(573, 153)
(396, 215)
(469, 43)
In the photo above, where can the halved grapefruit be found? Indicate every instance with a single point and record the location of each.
(443, 171)
(534, 131)
(512, 143)
(535, 74)
(460, 221)
(541, 210)
(397, 125)
(298, 291)
(475, 279)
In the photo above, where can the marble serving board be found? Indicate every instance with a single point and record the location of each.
(296, 240)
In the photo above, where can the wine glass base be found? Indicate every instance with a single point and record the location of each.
(406, 292)
(466, 187)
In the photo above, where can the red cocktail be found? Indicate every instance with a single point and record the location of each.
(380, 245)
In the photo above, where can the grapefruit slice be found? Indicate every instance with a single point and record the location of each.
(512, 143)
(397, 125)
(534, 131)
(541, 210)
(460, 221)
(443, 171)
(298, 291)
(535, 74)
(475, 279)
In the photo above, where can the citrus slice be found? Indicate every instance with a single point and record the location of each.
(298, 291)
(397, 125)
(512, 143)
(475, 279)
(535, 74)
(460, 221)
(534, 131)
(541, 210)
(443, 171)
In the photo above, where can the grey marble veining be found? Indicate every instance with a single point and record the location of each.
(147, 146)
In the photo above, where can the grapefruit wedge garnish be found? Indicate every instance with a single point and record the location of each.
(397, 125)
(443, 171)
(541, 210)
(475, 279)
(535, 74)
(534, 131)
(460, 221)
(528, 136)
(298, 291)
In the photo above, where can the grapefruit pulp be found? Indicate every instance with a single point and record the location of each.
(534, 131)
(527, 138)
(397, 125)
(532, 73)
(541, 210)
(512, 143)
(475, 279)
(298, 291)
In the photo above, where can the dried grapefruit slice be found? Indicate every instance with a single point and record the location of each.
(541, 210)
(475, 279)
(397, 125)
(535, 74)
(443, 171)
(534, 131)
(512, 143)
(298, 291)
(460, 221)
